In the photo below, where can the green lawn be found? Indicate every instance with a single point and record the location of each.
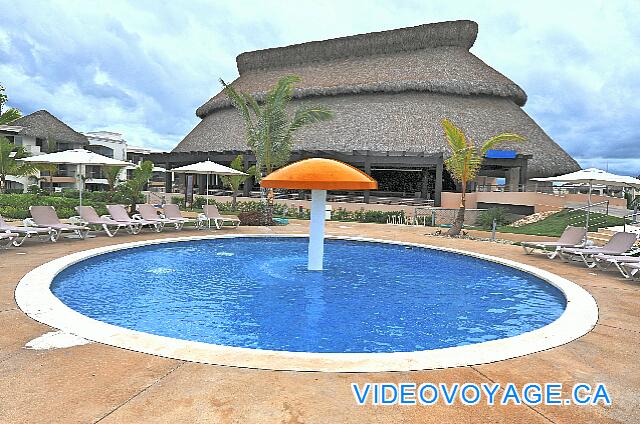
(554, 225)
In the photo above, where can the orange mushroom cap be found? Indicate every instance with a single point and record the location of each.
(319, 174)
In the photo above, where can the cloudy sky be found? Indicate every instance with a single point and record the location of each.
(142, 68)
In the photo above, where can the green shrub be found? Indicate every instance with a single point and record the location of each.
(501, 216)
(200, 201)
(282, 210)
(362, 215)
(12, 212)
(13, 191)
(34, 189)
(16, 206)
(178, 200)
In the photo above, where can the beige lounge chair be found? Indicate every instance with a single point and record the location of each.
(46, 217)
(632, 270)
(90, 217)
(603, 261)
(172, 212)
(43, 234)
(150, 213)
(211, 213)
(7, 239)
(619, 244)
(571, 237)
(119, 213)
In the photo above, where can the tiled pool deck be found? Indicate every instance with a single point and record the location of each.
(99, 383)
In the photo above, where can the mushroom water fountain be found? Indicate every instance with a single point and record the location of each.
(318, 175)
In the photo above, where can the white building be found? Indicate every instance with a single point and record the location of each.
(109, 144)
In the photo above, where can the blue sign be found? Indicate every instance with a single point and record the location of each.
(501, 154)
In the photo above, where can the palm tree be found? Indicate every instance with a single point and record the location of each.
(132, 189)
(10, 114)
(465, 162)
(9, 165)
(269, 129)
(111, 173)
(234, 181)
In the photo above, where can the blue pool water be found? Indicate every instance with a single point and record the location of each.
(257, 293)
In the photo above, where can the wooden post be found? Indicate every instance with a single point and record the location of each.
(168, 179)
(367, 170)
(246, 186)
(202, 184)
(523, 175)
(425, 180)
(513, 178)
(437, 198)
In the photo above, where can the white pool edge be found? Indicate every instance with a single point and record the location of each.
(34, 297)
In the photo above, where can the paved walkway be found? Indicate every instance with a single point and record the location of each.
(98, 383)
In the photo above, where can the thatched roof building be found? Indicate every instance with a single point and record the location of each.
(43, 125)
(389, 91)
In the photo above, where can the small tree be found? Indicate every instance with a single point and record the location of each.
(51, 169)
(9, 163)
(234, 182)
(465, 162)
(132, 189)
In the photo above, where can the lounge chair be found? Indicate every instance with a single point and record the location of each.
(7, 239)
(150, 213)
(571, 237)
(46, 217)
(211, 213)
(90, 217)
(172, 212)
(619, 244)
(43, 234)
(603, 262)
(632, 270)
(119, 213)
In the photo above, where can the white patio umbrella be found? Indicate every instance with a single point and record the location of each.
(593, 176)
(207, 168)
(78, 157)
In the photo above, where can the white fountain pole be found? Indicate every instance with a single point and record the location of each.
(316, 230)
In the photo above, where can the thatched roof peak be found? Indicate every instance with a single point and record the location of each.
(426, 58)
(442, 34)
(42, 124)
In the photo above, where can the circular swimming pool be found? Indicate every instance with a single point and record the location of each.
(257, 293)
(181, 297)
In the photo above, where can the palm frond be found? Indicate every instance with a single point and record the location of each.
(455, 136)
(500, 138)
(310, 115)
(9, 116)
(9, 163)
(238, 101)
